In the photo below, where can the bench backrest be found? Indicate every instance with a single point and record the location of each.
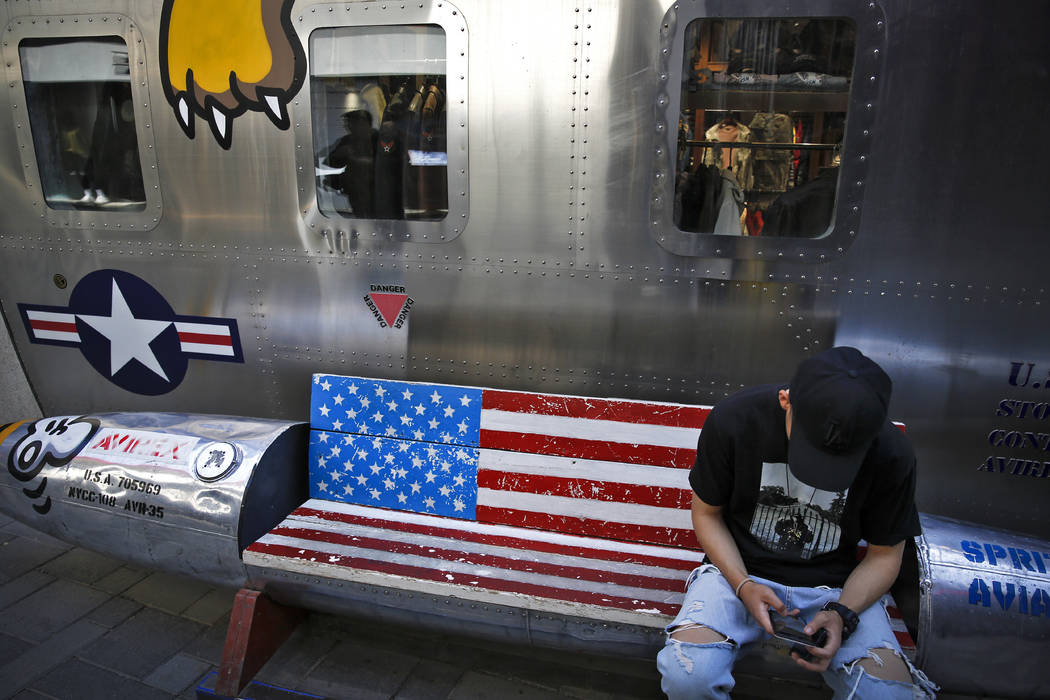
(610, 468)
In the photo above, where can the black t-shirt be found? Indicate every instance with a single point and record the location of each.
(786, 531)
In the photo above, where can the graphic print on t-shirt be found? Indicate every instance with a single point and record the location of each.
(794, 519)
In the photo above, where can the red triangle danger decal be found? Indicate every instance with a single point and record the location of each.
(389, 306)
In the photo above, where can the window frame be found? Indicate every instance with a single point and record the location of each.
(341, 230)
(856, 146)
(85, 26)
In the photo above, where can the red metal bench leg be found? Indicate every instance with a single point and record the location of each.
(258, 627)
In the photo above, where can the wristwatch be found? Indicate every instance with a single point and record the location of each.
(850, 619)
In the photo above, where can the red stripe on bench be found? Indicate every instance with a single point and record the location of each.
(433, 574)
(580, 448)
(595, 409)
(504, 540)
(481, 559)
(588, 489)
(591, 528)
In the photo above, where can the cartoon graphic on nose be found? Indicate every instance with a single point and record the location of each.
(220, 59)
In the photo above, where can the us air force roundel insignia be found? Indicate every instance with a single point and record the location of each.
(130, 334)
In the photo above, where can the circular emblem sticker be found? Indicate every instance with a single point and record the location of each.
(216, 460)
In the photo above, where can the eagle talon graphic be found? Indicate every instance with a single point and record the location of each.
(219, 60)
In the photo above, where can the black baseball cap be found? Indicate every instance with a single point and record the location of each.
(839, 399)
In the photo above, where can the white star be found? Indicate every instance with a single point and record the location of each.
(377, 443)
(380, 391)
(449, 411)
(402, 498)
(361, 479)
(322, 462)
(352, 389)
(415, 486)
(336, 451)
(317, 379)
(462, 427)
(335, 475)
(403, 446)
(375, 468)
(338, 424)
(445, 437)
(349, 465)
(338, 399)
(348, 490)
(362, 428)
(322, 486)
(390, 431)
(459, 479)
(388, 458)
(420, 408)
(323, 437)
(406, 394)
(324, 411)
(325, 385)
(435, 397)
(445, 491)
(432, 453)
(464, 400)
(401, 472)
(417, 434)
(362, 455)
(365, 403)
(389, 483)
(391, 405)
(351, 414)
(431, 476)
(429, 502)
(375, 493)
(377, 417)
(417, 462)
(446, 466)
(129, 337)
(348, 439)
(433, 423)
(459, 504)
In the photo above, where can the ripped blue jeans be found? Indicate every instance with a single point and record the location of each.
(692, 670)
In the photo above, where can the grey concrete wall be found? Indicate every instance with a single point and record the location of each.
(16, 399)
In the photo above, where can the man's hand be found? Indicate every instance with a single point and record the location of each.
(758, 599)
(822, 656)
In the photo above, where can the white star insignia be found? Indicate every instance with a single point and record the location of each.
(435, 397)
(365, 403)
(348, 490)
(338, 399)
(420, 409)
(459, 504)
(433, 423)
(406, 394)
(352, 389)
(129, 337)
(464, 400)
(449, 411)
(337, 424)
(326, 385)
(429, 503)
(322, 486)
(430, 475)
(351, 414)
(375, 493)
(322, 437)
(389, 483)
(380, 391)
(324, 411)
(415, 486)
(402, 498)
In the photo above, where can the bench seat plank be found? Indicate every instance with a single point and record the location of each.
(547, 571)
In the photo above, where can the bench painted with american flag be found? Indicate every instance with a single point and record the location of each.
(555, 504)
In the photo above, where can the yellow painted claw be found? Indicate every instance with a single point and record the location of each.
(219, 59)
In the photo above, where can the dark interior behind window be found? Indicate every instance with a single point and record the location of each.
(763, 116)
(82, 117)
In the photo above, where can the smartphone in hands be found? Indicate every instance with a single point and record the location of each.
(792, 630)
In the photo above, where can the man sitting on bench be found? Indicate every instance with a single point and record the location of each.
(787, 481)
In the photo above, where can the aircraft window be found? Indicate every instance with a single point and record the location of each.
(762, 118)
(378, 96)
(82, 118)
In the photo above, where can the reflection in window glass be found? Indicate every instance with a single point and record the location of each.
(763, 116)
(78, 95)
(379, 122)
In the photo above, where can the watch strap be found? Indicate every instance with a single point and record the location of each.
(850, 619)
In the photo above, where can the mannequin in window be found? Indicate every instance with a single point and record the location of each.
(355, 152)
